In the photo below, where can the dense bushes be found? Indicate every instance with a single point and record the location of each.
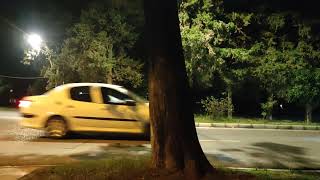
(216, 108)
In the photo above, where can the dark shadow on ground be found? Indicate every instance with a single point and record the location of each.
(274, 155)
(115, 151)
(97, 138)
(103, 152)
(283, 156)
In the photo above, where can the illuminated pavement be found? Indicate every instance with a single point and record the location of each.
(260, 148)
(228, 147)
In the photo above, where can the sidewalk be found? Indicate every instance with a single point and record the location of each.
(257, 126)
(15, 172)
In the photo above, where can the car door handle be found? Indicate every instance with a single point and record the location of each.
(70, 106)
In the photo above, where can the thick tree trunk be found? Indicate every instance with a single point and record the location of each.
(308, 113)
(175, 143)
(229, 98)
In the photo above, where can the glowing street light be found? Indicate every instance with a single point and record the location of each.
(37, 45)
(35, 41)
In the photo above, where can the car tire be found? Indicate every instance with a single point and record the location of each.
(56, 128)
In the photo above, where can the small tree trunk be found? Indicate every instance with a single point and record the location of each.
(56, 79)
(270, 109)
(308, 113)
(109, 78)
(229, 98)
(270, 116)
(110, 58)
(175, 145)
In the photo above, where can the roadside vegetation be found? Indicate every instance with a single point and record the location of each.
(201, 118)
(118, 168)
(218, 111)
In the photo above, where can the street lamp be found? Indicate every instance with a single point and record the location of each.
(35, 41)
(37, 45)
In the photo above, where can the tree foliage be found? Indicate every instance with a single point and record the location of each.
(286, 61)
(214, 41)
(97, 50)
(278, 50)
(215, 44)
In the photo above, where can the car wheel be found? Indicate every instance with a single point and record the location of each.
(56, 128)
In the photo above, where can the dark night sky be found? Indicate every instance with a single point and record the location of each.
(31, 16)
(305, 6)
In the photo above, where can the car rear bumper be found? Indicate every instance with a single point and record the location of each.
(31, 121)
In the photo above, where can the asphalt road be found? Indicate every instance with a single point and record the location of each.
(255, 148)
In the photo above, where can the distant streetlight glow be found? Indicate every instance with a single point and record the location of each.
(35, 41)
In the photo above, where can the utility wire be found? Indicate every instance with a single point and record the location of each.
(12, 25)
(19, 77)
(19, 29)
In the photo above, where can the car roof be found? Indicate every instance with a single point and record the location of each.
(112, 86)
(90, 84)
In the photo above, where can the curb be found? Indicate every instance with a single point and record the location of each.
(257, 126)
(277, 170)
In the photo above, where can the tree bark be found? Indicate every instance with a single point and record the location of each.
(229, 98)
(308, 113)
(109, 78)
(175, 145)
(110, 57)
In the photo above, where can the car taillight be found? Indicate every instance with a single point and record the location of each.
(24, 103)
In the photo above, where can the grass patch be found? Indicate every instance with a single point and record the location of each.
(208, 119)
(138, 168)
(34, 160)
(113, 169)
(283, 175)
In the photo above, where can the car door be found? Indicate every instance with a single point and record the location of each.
(82, 110)
(120, 111)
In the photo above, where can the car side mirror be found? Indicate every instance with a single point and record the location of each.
(130, 102)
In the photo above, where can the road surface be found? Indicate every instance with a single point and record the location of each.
(255, 148)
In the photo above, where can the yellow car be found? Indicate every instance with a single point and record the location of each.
(86, 107)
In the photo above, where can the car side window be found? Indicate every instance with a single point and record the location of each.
(111, 96)
(81, 93)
